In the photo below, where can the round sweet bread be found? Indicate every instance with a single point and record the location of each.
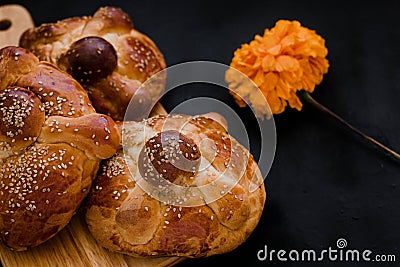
(181, 186)
(105, 54)
(51, 144)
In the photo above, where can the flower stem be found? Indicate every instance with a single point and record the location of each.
(307, 97)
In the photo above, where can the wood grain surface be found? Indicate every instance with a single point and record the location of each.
(14, 20)
(74, 245)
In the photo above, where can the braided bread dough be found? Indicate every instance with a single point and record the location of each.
(192, 152)
(51, 144)
(105, 54)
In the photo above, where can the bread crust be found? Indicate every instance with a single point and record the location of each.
(124, 218)
(77, 45)
(51, 144)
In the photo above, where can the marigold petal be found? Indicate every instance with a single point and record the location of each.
(260, 105)
(268, 63)
(276, 104)
(302, 49)
(239, 101)
(292, 77)
(270, 82)
(266, 43)
(281, 28)
(259, 79)
(288, 41)
(295, 102)
(274, 50)
(286, 63)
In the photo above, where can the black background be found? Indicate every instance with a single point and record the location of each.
(325, 183)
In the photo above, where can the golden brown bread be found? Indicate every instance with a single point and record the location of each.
(51, 144)
(105, 54)
(220, 212)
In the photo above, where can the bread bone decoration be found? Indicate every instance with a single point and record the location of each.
(51, 144)
(105, 54)
(195, 153)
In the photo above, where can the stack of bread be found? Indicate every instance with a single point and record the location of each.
(58, 105)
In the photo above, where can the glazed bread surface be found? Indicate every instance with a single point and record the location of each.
(51, 144)
(218, 203)
(107, 55)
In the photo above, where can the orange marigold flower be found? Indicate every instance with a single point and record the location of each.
(286, 59)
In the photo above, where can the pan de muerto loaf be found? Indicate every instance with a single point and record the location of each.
(181, 186)
(105, 54)
(51, 144)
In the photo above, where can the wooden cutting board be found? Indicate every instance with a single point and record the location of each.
(74, 245)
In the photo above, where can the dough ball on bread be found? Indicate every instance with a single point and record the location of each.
(106, 54)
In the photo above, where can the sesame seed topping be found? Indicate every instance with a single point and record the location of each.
(114, 167)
